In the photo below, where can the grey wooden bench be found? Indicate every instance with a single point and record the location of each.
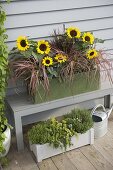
(21, 107)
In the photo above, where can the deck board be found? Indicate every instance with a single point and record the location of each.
(98, 156)
(47, 165)
(13, 163)
(63, 162)
(79, 160)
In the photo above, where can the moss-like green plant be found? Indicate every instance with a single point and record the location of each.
(58, 134)
(38, 133)
(53, 132)
(4, 162)
(80, 120)
(3, 76)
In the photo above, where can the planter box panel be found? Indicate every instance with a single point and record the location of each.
(82, 83)
(45, 151)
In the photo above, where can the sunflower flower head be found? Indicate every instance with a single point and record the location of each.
(22, 43)
(47, 61)
(61, 58)
(92, 53)
(73, 32)
(88, 37)
(43, 47)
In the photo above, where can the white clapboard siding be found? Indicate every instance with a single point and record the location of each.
(108, 44)
(53, 17)
(36, 32)
(44, 30)
(34, 6)
(38, 18)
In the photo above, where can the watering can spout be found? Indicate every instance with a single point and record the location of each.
(109, 111)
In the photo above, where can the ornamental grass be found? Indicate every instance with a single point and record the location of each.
(66, 54)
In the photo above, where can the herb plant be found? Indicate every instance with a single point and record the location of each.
(59, 133)
(80, 120)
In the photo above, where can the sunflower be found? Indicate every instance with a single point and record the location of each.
(43, 47)
(60, 58)
(92, 54)
(88, 37)
(47, 61)
(22, 43)
(73, 32)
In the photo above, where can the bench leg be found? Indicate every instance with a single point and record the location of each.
(107, 101)
(19, 133)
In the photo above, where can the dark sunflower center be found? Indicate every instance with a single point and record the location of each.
(23, 43)
(87, 38)
(73, 33)
(60, 58)
(47, 61)
(92, 53)
(43, 47)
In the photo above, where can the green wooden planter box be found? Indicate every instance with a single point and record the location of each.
(82, 82)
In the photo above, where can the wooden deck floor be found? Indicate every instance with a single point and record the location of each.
(98, 156)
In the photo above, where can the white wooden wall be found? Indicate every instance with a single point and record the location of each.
(38, 18)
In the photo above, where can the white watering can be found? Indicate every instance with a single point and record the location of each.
(100, 118)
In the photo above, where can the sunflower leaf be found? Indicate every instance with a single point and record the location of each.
(27, 53)
(52, 71)
(36, 56)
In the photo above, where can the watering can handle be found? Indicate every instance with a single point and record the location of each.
(99, 105)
